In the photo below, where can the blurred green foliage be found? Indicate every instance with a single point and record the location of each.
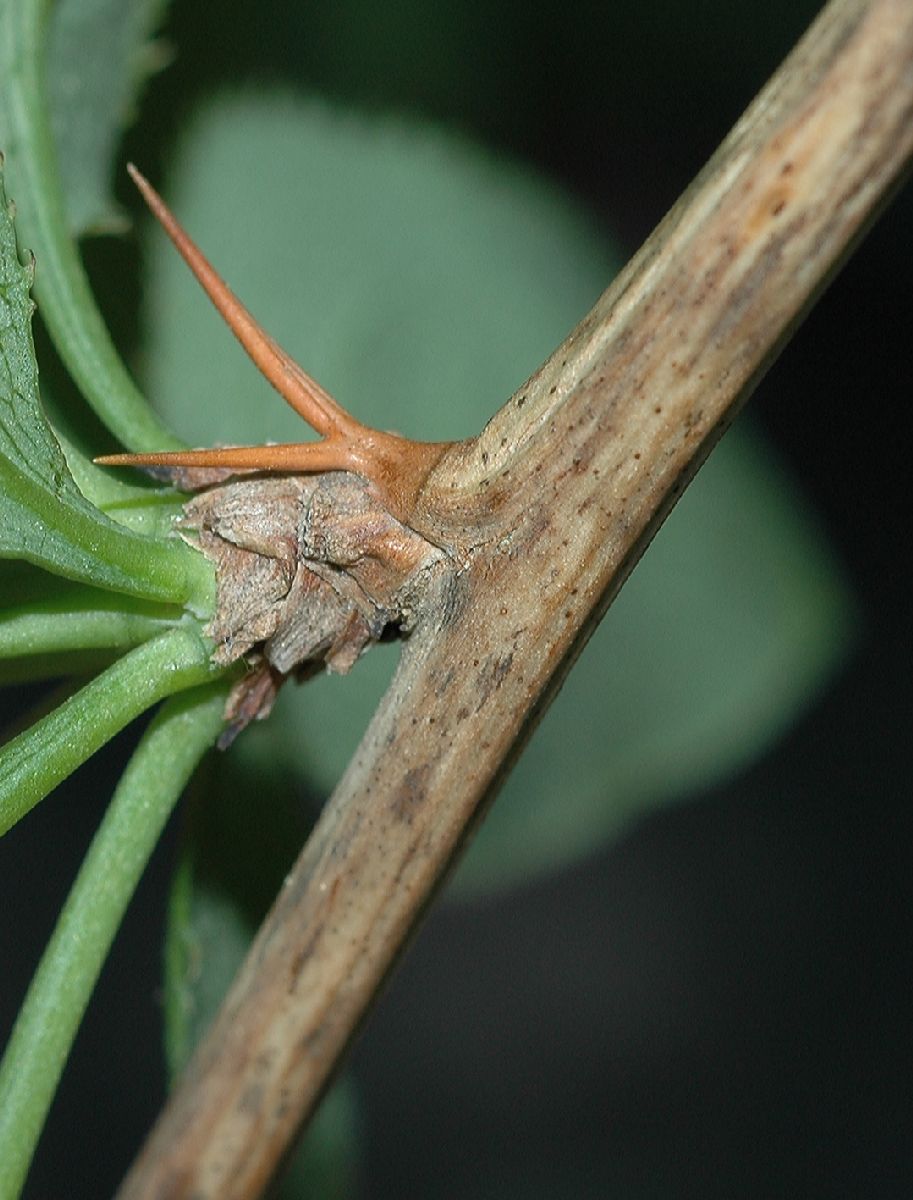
(99, 54)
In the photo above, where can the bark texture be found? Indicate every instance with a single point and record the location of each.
(540, 519)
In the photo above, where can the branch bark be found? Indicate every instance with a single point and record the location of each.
(540, 519)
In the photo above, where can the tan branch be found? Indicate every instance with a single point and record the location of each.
(541, 518)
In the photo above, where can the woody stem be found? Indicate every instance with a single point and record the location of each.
(544, 514)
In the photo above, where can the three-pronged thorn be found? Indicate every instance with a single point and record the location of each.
(397, 466)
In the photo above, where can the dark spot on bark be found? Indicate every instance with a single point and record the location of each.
(307, 1044)
(503, 666)
(251, 1098)
(442, 684)
(492, 675)
(453, 601)
(303, 955)
(693, 418)
(411, 794)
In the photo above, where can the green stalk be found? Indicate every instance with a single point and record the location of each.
(38, 759)
(96, 621)
(44, 1031)
(65, 298)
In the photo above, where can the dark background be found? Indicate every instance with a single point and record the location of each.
(716, 1005)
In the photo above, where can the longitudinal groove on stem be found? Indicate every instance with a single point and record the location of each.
(543, 516)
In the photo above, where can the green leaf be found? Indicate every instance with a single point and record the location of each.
(100, 53)
(421, 282)
(44, 517)
(232, 865)
(33, 763)
(47, 1023)
(67, 305)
